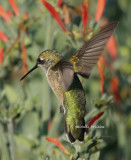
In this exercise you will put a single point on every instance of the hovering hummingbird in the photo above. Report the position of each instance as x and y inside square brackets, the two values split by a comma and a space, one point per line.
[63, 79]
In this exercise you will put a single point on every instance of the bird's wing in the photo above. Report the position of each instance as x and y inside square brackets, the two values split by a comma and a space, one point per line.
[65, 74]
[88, 55]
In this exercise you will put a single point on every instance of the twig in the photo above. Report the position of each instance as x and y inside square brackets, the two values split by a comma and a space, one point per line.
[12, 147]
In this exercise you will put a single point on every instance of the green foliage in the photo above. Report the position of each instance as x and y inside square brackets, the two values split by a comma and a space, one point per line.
[29, 110]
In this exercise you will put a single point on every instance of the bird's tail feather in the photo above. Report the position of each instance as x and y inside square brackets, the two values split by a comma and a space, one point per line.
[81, 133]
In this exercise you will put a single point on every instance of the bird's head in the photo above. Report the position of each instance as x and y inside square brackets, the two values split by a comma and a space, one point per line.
[46, 60]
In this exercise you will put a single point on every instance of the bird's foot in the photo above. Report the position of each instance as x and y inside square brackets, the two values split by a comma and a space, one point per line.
[62, 109]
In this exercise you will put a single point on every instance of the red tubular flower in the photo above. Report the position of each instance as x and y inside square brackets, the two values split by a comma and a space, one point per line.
[3, 37]
[54, 14]
[84, 16]
[108, 65]
[10, 14]
[58, 143]
[66, 13]
[112, 47]
[14, 6]
[1, 55]
[94, 119]
[49, 125]
[59, 3]
[24, 58]
[114, 84]
[100, 65]
[100, 9]
[4, 15]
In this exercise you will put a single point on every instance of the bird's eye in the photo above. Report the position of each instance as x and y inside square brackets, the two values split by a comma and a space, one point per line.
[40, 60]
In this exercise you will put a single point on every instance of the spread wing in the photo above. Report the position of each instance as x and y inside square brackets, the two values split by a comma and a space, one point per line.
[65, 74]
[88, 55]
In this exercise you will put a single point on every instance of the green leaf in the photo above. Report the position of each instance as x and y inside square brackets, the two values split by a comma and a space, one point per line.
[95, 156]
[29, 125]
[11, 94]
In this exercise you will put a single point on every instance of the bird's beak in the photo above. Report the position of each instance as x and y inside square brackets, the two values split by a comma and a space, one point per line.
[36, 66]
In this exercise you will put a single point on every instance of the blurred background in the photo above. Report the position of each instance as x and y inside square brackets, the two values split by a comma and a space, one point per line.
[29, 110]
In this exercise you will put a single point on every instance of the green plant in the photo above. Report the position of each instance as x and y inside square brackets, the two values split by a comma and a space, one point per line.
[29, 113]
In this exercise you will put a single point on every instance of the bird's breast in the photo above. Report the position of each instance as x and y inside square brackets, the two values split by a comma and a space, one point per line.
[52, 77]
[75, 97]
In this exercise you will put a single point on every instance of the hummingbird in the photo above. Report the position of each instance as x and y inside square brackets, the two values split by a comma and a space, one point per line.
[62, 76]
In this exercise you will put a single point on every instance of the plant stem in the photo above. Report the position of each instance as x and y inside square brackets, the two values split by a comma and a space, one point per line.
[11, 140]
[3, 144]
